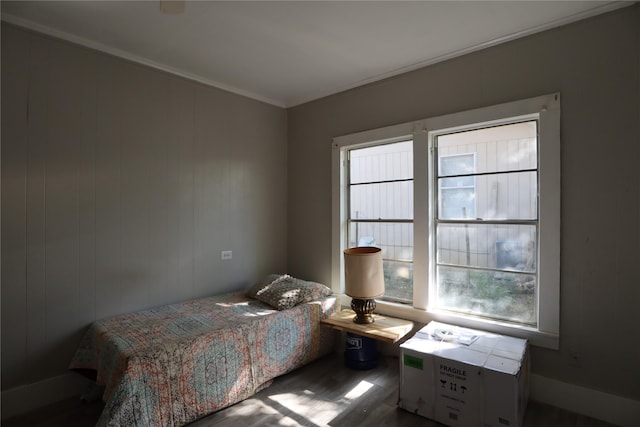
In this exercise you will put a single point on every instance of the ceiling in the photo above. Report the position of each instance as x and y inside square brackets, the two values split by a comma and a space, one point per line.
[288, 53]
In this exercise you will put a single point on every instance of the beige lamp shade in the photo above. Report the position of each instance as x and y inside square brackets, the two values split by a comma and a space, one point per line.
[363, 273]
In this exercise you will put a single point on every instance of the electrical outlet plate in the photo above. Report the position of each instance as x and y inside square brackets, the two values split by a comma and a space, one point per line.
[225, 255]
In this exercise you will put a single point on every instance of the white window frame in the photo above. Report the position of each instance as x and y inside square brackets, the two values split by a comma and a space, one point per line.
[546, 109]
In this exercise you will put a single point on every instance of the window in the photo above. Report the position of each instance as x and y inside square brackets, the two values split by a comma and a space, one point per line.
[485, 257]
[380, 197]
[466, 208]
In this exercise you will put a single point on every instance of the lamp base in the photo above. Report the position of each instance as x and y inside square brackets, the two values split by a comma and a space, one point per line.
[364, 310]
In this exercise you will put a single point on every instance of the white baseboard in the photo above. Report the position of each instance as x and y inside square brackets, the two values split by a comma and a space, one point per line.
[25, 398]
[596, 404]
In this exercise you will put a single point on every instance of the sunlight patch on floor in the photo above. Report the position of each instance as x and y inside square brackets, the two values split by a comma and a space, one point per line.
[252, 407]
[308, 406]
[359, 390]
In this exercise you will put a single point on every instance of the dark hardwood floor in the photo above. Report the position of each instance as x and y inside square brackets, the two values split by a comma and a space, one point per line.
[324, 393]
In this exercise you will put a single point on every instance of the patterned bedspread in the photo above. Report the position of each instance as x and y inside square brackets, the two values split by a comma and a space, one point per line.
[171, 365]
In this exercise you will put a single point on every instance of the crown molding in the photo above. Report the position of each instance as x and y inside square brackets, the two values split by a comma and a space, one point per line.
[33, 26]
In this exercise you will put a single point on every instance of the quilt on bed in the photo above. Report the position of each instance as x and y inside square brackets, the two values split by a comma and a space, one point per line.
[173, 364]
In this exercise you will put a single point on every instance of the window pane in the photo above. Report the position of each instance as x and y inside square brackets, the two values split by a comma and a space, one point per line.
[398, 280]
[457, 195]
[396, 242]
[387, 162]
[498, 295]
[495, 196]
[390, 200]
[395, 239]
[457, 203]
[498, 148]
[457, 164]
[496, 246]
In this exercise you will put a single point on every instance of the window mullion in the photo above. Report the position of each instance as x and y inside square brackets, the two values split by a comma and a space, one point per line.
[421, 224]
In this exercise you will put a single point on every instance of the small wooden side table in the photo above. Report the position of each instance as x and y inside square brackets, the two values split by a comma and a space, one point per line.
[385, 328]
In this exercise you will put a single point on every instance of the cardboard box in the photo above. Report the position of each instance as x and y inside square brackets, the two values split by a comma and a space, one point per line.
[463, 377]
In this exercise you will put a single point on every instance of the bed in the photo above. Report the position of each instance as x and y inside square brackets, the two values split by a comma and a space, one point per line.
[171, 365]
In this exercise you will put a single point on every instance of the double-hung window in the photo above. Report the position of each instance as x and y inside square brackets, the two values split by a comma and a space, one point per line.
[380, 198]
[466, 210]
[485, 235]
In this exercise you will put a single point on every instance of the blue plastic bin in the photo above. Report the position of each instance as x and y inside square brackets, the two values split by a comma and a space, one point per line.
[360, 353]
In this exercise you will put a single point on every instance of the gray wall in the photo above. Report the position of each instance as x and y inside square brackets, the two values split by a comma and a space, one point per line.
[595, 65]
[120, 187]
[124, 184]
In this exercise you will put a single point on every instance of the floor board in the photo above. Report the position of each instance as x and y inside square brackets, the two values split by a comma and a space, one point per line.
[324, 393]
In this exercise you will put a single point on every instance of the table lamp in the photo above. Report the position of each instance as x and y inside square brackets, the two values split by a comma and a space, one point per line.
[364, 280]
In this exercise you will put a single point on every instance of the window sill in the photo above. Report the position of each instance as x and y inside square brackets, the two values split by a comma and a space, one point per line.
[535, 337]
